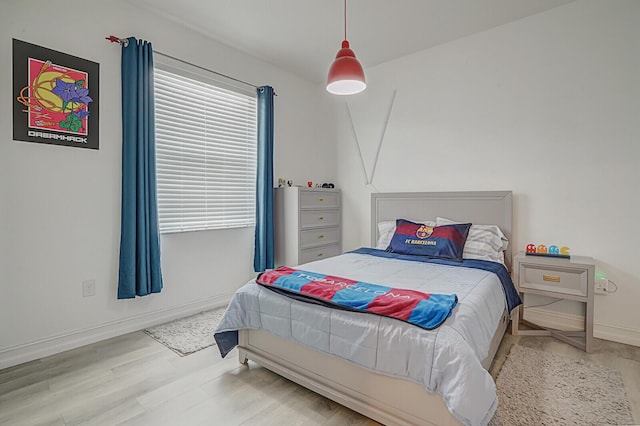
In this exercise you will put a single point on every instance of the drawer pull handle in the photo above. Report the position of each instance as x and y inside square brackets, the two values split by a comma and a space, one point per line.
[320, 237]
[321, 218]
[551, 278]
[321, 199]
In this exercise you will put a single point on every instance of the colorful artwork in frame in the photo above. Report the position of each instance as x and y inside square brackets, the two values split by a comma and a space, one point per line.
[56, 97]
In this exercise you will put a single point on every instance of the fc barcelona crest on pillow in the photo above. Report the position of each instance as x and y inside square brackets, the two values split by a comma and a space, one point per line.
[424, 231]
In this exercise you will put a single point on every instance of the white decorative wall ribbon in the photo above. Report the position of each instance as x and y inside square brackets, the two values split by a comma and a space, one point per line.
[369, 179]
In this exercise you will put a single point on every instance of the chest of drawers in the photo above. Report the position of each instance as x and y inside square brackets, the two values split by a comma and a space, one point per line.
[307, 224]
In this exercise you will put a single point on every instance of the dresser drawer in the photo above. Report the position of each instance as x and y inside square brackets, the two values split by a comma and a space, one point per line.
[320, 236]
[558, 279]
[319, 199]
[316, 218]
[309, 255]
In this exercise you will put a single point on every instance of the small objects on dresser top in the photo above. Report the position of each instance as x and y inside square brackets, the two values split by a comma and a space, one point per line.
[551, 251]
[328, 185]
[281, 182]
[310, 184]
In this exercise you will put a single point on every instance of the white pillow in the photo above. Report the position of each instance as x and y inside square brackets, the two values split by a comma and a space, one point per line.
[387, 228]
[484, 242]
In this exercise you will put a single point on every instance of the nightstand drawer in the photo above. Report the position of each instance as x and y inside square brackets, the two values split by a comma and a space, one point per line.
[309, 255]
[558, 279]
[316, 218]
[319, 199]
[317, 237]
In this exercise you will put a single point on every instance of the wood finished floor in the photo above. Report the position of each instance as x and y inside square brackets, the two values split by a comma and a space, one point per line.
[134, 380]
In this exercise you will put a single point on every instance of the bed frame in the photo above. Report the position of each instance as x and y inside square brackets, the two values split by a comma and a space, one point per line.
[385, 399]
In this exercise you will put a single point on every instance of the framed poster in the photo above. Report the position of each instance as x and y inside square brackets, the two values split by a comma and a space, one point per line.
[56, 99]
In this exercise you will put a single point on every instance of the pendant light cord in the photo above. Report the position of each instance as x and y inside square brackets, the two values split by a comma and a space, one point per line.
[345, 19]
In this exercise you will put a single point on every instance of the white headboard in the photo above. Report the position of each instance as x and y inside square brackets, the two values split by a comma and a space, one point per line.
[479, 207]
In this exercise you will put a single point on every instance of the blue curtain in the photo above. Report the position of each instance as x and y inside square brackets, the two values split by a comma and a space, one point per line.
[140, 272]
[263, 251]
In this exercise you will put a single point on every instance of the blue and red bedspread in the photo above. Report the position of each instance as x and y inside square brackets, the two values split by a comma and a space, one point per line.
[422, 309]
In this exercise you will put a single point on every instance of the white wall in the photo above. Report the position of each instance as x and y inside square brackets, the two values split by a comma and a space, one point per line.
[60, 206]
[548, 107]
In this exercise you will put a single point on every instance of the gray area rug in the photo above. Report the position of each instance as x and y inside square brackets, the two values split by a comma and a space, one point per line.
[188, 335]
[541, 388]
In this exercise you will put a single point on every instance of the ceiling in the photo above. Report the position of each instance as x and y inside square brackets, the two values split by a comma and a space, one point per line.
[303, 36]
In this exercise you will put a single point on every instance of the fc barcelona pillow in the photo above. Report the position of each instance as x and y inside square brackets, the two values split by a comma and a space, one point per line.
[444, 242]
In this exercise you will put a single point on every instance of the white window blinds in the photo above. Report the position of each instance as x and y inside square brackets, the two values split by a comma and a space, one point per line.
[205, 152]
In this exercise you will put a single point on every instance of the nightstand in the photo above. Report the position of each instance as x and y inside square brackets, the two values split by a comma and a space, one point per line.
[569, 279]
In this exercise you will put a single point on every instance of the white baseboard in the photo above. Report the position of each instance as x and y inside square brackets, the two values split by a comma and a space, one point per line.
[563, 321]
[52, 345]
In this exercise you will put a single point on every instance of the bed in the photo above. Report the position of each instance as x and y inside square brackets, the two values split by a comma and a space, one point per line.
[387, 379]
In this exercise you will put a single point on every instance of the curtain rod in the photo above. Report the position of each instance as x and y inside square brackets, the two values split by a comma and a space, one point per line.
[124, 42]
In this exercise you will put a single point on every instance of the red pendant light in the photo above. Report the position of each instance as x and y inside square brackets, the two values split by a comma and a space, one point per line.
[346, 76]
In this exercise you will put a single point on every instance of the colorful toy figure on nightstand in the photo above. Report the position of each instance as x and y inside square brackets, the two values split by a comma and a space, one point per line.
[552, 251]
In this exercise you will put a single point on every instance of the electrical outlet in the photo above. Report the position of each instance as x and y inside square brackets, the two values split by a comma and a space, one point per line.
[88, 288]
[602, 286]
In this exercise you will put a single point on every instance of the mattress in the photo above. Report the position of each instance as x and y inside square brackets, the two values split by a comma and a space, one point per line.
[446, 360]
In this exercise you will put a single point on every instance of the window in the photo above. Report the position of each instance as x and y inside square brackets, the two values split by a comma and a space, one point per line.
[205, 152]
